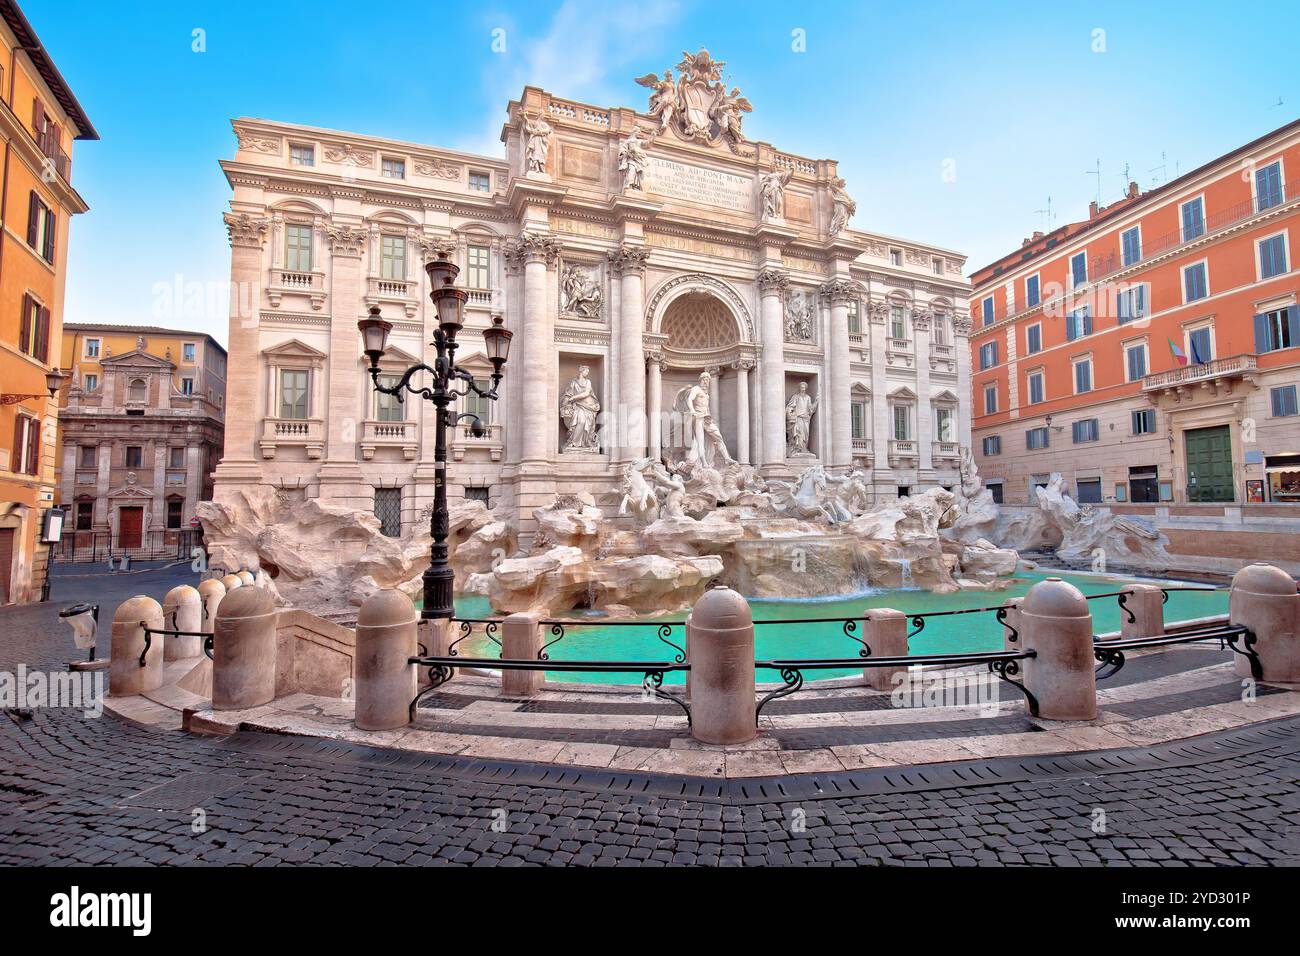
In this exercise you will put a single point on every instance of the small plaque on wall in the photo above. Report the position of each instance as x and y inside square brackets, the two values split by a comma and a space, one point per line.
[1121, 491]
[798, 208]
[579, 163]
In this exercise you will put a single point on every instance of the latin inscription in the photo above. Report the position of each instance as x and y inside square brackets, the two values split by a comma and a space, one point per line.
[698, 185]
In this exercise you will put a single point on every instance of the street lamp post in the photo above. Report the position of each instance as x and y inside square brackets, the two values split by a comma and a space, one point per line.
[450, 303]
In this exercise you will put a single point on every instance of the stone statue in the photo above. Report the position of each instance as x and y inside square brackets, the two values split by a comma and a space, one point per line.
[798, 420]
[772, 189]
[578, 410]
[663, 101]
[538, 146]
[726, 112]
[698, 107]
[580, 293]
[632, 160]
[705, 440]
[799, 317]
[843, 207]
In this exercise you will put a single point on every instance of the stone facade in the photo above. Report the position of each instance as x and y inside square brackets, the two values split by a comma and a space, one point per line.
[645, 247]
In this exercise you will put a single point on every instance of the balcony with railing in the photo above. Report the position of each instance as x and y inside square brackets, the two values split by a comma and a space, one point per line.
[902, 449]
[1214, 372]
[403, 292]
[290, 281]
[491, 441]
[945, 451]
[377, 434]
[49, 145]
[486, 299]
[306, 433]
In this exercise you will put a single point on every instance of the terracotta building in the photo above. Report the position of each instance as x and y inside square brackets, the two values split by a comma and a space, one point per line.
[141, 430]
[1150, 353]
[39, 120]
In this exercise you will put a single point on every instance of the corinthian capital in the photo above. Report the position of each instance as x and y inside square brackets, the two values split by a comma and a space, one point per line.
[878, 311]
[537, 247]
[920, 317]
[961, 324]
[840, 291]
[246, 231]
[346, 241]
[773, 282]
[630, 260]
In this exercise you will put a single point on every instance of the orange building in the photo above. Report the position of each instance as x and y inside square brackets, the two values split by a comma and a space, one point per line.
[1151, 352]
[39, 119]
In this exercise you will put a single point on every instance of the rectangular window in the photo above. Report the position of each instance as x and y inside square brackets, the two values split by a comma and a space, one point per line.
[86, 456]
[1131, 303]
[134, 456]
[1135, 361]
[896, 257]
[858, 420]
[174, 510]
[1078, 323]
[1079, 269]
[1083, 376]
[188, 351]
[476, 493]
[1279, 329]
[302, 155]
[392, 257]
[89, 383]
[855, 319]
[897, 325]
[1036, 387]
[1193, 214]
[85, 515]
[25, 456]
[1130, 241]
[1085, 431]
[187, 386]
[297, 247]
[993, 445]
[990, 399]
[902, 423]
[175, 457]
[1195, 283]
[937, 266]
[945, 425]
[477, 271]
[387, 407]
[1088, 491]
[393, 168]
[1144, 422]
[1036, 438]
[388, 509]
[1200, 344]
[996, 488]
[1034, 339]
[92, 348]
[1283, 400]
[1032, 292]
[293, 393]
[1272, 257]
[480, 182]
[988, 355]
[475, 404]
[987, 307]
[1268, 186]
[34, 329]
[1143, 483]
[940, 336]
[41, 227]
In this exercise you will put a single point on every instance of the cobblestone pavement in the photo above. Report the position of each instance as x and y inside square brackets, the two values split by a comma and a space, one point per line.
[98, 791]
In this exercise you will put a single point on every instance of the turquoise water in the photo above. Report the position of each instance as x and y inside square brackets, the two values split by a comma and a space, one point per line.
[941, 635]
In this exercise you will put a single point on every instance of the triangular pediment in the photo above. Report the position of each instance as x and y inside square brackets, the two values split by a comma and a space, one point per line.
[130, 491]
[136, 359]
[902, 391]
[294, 348]
[945, 396]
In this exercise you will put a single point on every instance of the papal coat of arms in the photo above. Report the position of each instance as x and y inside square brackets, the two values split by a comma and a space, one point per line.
[697, 106]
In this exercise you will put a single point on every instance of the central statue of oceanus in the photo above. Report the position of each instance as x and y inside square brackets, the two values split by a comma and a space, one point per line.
[705, 445]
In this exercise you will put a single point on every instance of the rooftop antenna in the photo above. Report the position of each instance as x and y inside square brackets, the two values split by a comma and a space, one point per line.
[1047, 215]
[1127, 175]
[1096, 172]
[1163, 169]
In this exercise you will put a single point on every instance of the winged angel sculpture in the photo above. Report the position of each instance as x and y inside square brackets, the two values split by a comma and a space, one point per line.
[697, 107]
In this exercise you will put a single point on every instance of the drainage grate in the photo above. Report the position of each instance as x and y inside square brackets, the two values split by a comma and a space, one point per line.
[186, 791]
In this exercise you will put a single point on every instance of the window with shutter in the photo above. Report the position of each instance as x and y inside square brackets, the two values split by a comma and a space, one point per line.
[33, 219]
[51, 229]
[42, 350]
[25, 326]
[19, 443]
[33, 446]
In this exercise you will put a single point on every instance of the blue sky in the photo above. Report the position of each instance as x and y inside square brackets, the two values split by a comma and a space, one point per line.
[1015, 102]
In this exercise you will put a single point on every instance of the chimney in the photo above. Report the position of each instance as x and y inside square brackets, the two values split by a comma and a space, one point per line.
[1133, 190]
[1093, 209]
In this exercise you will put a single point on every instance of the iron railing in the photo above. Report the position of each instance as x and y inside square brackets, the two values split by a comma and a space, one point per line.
[89, 546]
[1110, 654]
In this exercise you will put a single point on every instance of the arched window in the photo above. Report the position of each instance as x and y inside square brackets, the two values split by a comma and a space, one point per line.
[137, 391]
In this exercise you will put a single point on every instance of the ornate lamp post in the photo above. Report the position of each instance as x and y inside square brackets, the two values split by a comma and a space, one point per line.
[54, 380]
[450, 303]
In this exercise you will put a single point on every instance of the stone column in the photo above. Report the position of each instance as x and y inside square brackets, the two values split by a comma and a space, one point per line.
[1264, 599]
[158, 508]
[126, 675]
[961, 348]
[839, 292]
[654, 403]
[521, 639]
[631, 355]
[742, 368]
[243, 650]
[385, 678]
[1145, 603]
[537, 252]
[924, 413]
[882, 425]
[715, 393]
[343, 403]
[772, 284]
[68, 490]
[247, 238]
[1058, 628]
[885, 631]
[103, 472]
[193, 482]
[720, 635]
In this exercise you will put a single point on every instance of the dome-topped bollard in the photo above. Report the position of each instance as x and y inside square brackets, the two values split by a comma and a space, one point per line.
[385, 678]
[720, 634]
[132, 669]
[232, 581]
[211, 592]
[182, 611]
[1264, 599]
[243, 650]
[1057, 627]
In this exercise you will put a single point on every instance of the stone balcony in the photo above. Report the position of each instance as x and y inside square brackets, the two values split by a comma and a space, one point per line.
[1220, 374]
[486, 299]
[903, 449]
[308, 433]
[945, 451]
[403, 292]
[403, 435]
[899, 352]
[463, 439]
[286, 281]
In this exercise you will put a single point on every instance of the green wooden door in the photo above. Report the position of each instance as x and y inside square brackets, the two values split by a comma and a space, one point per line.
[1209, 464]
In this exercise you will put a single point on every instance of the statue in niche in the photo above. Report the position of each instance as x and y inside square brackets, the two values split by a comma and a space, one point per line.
[842, 205]
[538, 146]
[580, 293]
[798, 421]
[578, 411]
[706, 442]
[632, 160]
[772, 189]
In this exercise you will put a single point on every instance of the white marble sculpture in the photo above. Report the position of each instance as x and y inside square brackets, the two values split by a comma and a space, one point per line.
[632, 160]
[580, 293]
[707, 446]
[538, 145]
[579, 410]
[698, 106]
[798, 421]
[772, 192]
[842, 207]
[800, 316]
[663, 101]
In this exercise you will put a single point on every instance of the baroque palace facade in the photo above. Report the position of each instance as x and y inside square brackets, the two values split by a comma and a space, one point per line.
[628, 252]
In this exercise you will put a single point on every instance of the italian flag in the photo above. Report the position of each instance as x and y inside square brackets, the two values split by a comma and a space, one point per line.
[1179, 356]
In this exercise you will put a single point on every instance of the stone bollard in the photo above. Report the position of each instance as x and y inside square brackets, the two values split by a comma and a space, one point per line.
[261, 578]
[1147, 602]
[182, 611]
[1058, 626]
[211, 592]
[521, 639]
[721, 636]
[435, 635]
[1017, 623]
[885, 631]
[125, 675]
[385, 678]
[243, 650]
[1264, 599]
[246, 578]
[232, 581]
